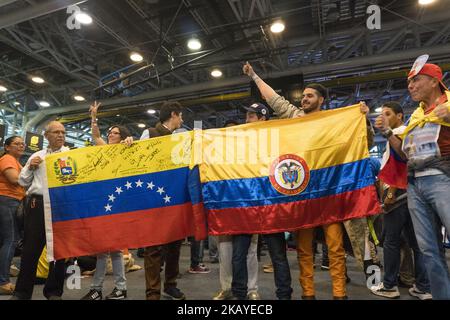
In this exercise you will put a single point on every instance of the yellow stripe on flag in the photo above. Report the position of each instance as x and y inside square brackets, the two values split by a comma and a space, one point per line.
[115, 161]
[322, 139]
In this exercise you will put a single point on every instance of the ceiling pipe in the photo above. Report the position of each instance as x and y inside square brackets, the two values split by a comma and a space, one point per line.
[400, 59]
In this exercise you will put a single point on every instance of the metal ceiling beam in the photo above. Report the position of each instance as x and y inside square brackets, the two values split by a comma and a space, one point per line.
[401, 59]
[49, 62]
[35, 11]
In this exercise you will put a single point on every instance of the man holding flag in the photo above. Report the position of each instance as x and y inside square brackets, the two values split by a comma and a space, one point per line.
[314, 96]
[32, 176]
[425, 143]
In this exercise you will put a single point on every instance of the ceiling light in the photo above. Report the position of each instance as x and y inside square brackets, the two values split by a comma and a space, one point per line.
[425, 2]
[3, 89]
[378, 110]
[44, 104]
[136, 57]
[277, 27]
[151, 111]
[79, 98]
[216, 73]
[17, 103]
[117, 115]
[37, 79]
[194, 44]
[83, 18]
[141, 125]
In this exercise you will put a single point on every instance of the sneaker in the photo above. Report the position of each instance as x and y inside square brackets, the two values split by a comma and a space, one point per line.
[116, 294]
[325, 265]
[13, 271]
[93, 295]
[419, 294]
[174, 294]
[268, 268]
[381, 291]
[254, 295]
[7, 289]
[199, 269]
[223, 295]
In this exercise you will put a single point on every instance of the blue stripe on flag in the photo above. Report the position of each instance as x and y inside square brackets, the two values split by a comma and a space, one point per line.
[147, 191]
[251, 192]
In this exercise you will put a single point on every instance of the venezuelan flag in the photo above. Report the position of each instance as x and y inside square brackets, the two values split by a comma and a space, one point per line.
[113, 197]
[282, 175]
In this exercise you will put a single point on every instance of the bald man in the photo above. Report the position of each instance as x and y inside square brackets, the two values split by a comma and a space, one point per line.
[32, 177]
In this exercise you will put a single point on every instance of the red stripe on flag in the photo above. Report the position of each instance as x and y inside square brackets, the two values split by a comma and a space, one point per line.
[119, 231]
[394, 173]
[294, 215]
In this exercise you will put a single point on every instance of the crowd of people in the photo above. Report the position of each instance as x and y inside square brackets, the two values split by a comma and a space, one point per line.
[412, 219]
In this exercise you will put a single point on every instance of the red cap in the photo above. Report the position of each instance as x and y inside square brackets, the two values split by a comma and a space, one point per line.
[431, 70]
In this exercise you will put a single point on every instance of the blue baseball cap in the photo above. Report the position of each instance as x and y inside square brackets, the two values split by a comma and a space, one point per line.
[259, 108]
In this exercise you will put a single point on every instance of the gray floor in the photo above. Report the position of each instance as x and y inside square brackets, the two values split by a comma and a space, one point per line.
[204, 286]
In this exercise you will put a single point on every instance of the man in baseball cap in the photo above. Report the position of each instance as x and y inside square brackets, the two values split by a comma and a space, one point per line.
[256, 112]
[431, 70]
[425, 144]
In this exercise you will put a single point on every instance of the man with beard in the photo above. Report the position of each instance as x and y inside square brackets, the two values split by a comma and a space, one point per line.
[314, 96]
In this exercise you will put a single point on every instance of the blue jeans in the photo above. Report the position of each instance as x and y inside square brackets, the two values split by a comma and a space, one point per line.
[197, 248]
[276, 244]
[277, 249]
[118, 269]
[394, 223]
[241, 244]
[9, 235]
[428, 202]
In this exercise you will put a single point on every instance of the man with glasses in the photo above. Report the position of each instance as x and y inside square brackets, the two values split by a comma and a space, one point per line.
[32, 177]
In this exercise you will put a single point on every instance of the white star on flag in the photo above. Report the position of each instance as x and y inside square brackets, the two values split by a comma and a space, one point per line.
[167, 198]
[160, 190]
[112, 198]
[139, 183]
[128, 185]
[108, 207]
[119, 190]
[150, 185]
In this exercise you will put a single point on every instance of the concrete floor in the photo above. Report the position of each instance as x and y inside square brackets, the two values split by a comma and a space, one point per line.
[204, 286]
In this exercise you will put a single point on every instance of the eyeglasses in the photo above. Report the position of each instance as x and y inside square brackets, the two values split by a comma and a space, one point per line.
[58, 132]
[19, 144]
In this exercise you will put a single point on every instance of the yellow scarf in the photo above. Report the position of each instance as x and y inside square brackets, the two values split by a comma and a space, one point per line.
[418, 118]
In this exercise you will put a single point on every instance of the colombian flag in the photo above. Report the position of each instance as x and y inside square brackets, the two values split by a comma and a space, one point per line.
[114, 197]
[282, 175]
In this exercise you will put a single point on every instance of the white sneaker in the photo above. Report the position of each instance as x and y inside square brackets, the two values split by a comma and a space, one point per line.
[419, 294]
[381, 291]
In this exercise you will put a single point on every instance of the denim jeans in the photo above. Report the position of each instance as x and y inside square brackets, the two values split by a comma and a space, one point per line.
[9, 235]
[241, 244]
[428, 202]
[118, 271]
[213, 247]
[225, 263]
[197, 248]
[394, 223]
[276, 244]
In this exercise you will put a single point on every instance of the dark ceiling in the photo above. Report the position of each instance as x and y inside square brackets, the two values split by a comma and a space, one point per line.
[325, 40]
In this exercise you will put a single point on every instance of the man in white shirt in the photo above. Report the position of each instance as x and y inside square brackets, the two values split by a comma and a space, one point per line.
[32, 177]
